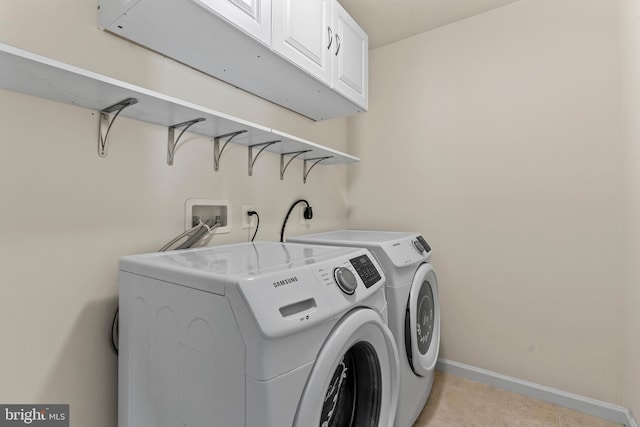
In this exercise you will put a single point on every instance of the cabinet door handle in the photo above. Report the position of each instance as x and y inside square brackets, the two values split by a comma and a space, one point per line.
[337, 44]
[330, 37]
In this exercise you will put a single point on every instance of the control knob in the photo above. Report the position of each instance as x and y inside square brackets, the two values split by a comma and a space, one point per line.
[345, 280]
[419, 247]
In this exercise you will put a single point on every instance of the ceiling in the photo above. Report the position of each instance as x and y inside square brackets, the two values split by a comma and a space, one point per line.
[387, 21]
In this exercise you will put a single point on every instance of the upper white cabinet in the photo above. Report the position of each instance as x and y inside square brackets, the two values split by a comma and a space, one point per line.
[320, 37]
[302, 34]
[308, 56]
[250, 16]
[350, 57]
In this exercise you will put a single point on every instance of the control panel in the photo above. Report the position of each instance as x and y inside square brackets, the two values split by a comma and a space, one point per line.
[286, 300]
[408, 250]
[366, 270]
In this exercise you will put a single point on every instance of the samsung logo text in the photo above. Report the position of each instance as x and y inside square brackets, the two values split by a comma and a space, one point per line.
[283, 282]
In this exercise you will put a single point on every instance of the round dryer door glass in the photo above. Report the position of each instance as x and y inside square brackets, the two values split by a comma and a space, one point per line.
[425, 313]
[422, 321]
[353, 396]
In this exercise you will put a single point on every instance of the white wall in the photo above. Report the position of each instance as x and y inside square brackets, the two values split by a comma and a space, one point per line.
[498, 137]
[630, 43]
[68, 215]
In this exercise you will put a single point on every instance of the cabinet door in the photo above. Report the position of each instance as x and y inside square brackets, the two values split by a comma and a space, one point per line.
[302, 35]
[251, 16]
[350, 52]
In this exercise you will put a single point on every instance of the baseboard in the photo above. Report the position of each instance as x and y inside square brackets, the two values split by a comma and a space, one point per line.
[604, 410]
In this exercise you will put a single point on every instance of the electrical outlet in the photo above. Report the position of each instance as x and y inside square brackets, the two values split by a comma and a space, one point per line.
[303, 220]
[246, 220]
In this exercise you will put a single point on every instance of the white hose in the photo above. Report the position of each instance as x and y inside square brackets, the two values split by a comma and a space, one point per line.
[186, 233]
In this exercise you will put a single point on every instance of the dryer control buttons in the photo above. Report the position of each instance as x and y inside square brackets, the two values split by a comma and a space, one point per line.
[418, 246]
[366, 270]
[424, 243]
[345, 280]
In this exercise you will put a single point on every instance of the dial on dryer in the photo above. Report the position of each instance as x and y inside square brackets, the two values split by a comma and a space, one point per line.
[418, 246]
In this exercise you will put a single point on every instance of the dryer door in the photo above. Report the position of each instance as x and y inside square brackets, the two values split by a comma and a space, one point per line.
[355, 379]
[422, 321]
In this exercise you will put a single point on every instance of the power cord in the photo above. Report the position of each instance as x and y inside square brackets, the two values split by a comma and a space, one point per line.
[308, 214]
[251, 213]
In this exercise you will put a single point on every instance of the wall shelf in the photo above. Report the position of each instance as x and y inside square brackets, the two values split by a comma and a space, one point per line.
[36, 75]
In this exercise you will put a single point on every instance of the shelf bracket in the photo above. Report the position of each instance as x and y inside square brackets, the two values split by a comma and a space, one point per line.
[172, 142]
[283, 166]
[104, 125]
[252, 160]
[217, 151]
[306, 171]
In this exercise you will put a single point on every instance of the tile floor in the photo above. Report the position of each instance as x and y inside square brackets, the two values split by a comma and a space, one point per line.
[458, 402]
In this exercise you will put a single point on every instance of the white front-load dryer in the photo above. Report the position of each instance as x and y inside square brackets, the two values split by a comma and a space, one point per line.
[255, 335]
[413, 307]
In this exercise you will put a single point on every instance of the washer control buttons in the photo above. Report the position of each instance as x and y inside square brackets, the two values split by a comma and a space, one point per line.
[345, 280]
[366, 270]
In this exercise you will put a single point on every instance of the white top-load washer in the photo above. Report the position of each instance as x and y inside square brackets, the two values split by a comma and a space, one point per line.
[414, 312]
[255, 334]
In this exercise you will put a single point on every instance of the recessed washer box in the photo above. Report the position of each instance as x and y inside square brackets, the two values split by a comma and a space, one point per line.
[208, 209]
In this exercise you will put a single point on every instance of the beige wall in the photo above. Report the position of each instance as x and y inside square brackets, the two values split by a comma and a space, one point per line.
[68, 215]
[630, 43]
[498, 137]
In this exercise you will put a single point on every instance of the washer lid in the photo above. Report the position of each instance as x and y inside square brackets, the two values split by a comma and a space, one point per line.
[287, 287]
[354, 236]
[422, 331]
[399, 249]
[210, 268]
